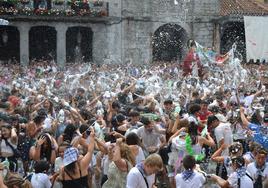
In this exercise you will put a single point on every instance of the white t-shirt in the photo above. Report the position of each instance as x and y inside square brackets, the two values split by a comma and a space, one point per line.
[140, 157]
[40, 180]
[224, 131]
[245, 181]
[249, 157]
[197, 181]
[252, 170]
[136, 180]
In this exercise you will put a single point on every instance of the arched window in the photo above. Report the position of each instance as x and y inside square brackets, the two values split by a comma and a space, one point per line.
[42, 42]
[169, 43]
[9, 43]
[79, 44]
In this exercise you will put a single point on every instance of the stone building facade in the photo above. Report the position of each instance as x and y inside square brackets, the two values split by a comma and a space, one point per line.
[129, 31]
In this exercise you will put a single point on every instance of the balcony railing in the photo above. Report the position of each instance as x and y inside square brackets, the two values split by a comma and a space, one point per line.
[54, 8]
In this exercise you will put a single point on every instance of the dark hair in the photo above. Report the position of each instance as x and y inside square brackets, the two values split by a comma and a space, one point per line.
[82, 90]
[81, 103]
[261, 150]
[168, 101]
[83, 128]
[205, 102]
[239, 161]
[115, 104]
[42, 112]
[134, 114]
[41, 166]
[86, 115]
[69, 132]
[145, 120]
[193, 132]
[124, 85]
[120, 118]
[39, 119]
[51, 107]
[255, 118]
[195, 94]
[46, 153]
[70, 167]
[7, 126]
[133, 139]
[188, 162]
[211, 119]
[194, 108]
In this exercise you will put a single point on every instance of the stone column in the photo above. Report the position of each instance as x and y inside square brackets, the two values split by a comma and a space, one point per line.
[24, 44]
[216, 37]
[61, 44]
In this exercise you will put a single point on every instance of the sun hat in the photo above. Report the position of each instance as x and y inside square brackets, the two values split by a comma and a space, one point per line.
[70, 155]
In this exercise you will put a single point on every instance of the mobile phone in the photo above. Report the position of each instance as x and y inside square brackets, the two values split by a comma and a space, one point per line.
[208, 175]
[88, 131]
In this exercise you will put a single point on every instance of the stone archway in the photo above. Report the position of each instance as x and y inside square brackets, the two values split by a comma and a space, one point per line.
[42, 42]
[233, 32]
[79, 44]
[169, 43]
[9, 43]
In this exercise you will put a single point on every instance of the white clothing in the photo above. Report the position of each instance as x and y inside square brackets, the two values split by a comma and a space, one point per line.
[140, 157]
[223, 131]
[252, 170]
[248, 100]
[105, 164]
[177, 150]
[197, 181]
[149, 138]
[249, 157]
[40, 180]
[245, 181]
[6, 148]
[136, 180]
[240, 133]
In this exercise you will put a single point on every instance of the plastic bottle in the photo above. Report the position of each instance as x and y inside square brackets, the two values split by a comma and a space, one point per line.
[6, 163]
[20, 168]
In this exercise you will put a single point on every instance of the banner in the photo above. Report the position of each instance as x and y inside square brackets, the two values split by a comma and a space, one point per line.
[256, 31]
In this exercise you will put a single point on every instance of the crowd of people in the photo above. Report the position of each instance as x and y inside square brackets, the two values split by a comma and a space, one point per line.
[132, 126]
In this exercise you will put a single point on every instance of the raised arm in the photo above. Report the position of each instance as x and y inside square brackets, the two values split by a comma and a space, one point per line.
[221, 182]
[87, 158]
[243, 117]
[217, 154]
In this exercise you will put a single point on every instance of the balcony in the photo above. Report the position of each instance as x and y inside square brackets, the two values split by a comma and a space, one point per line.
[53, 8]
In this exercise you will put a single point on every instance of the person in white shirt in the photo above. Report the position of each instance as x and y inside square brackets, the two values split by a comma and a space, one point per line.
[223, 134]
[189, 177]
[40, 179]
[143, 174]
[150, 138]
[258, 170]
[240, 178]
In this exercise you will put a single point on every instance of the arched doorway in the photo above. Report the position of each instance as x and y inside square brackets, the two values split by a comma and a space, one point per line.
[42, 43]
[169, 43]
[79, 44]
[233, 32]
[9, 43]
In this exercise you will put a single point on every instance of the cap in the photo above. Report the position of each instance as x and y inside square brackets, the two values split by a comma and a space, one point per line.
[221, 118]
[70, 155]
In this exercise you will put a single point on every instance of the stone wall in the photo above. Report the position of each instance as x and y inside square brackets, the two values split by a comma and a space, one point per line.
[126, 35]
[140, 19]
